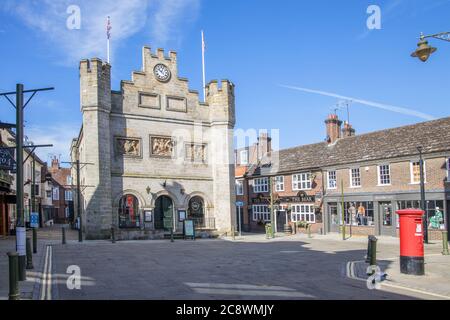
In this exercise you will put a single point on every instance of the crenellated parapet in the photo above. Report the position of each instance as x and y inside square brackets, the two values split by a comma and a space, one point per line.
[95, 84]
[221, 100]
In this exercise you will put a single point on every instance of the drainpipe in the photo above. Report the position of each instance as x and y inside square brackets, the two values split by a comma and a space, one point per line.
[324, 217]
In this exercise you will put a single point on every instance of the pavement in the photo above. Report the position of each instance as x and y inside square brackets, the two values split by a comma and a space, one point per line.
[246, 267]
[29, 287]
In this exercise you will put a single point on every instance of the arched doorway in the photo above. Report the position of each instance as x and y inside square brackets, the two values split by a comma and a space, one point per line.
[163, 213]
[196, 211]
[129, 212]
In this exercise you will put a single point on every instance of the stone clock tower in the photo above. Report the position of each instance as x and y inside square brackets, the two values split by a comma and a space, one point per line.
[159, 156]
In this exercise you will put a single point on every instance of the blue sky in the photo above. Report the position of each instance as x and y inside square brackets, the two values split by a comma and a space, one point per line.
[260, 45]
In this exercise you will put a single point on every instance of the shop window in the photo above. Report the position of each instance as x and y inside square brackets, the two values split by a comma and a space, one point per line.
[355, 213]
[128, 212]
[303, 212]
[434, 211]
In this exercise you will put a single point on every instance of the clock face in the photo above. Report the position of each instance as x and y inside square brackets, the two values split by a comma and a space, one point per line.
[162, 73]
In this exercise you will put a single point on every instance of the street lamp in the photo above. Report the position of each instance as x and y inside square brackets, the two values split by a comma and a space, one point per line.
[424, 50]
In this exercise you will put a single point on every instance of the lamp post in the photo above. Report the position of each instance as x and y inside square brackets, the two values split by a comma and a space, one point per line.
[424, 50]
[422, 196]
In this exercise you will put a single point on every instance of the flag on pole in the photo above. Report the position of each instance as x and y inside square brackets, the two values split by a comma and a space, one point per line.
[203, 66]
[203, 41]
[108, 36]
[108, 28]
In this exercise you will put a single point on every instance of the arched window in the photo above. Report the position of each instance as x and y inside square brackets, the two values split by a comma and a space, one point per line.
[129, 212]
[196, 207]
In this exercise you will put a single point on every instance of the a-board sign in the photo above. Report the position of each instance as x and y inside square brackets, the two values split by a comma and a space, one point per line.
[189, 230]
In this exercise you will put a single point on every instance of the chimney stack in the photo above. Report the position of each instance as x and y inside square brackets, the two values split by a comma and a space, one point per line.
[333, 125]
[55, 163]
[264, 144]
[347, 130]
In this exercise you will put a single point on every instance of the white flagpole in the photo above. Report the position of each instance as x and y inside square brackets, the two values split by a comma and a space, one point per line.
[108, 36]
[203, 67]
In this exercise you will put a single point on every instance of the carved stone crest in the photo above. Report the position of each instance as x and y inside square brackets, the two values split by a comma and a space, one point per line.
[161, 146]
[195, 152]
[130, 147]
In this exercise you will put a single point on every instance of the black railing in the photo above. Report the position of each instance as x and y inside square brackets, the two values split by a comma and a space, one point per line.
[204, 223]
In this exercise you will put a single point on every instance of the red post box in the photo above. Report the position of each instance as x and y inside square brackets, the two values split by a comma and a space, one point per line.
[411, 241]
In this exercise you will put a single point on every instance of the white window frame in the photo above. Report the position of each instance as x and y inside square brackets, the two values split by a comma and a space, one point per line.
[239, 187]
[241, 160]
[260, 212]
[55, 194]
[260, 185]
[66, 192]
[448, 169]
[300, 181]
[379, 174]
[412, 171]
[350, 171]
[279, 183]
[299, 212]
[69, 180]
[328, 180]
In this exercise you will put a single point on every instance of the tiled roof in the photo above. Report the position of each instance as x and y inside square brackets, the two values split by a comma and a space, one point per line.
[433, 136]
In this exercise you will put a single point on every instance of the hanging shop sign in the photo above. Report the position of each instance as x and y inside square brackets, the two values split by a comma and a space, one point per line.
[6, 159]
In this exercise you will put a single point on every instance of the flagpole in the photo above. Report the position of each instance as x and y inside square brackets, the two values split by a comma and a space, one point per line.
[203, 67]
[108, 36]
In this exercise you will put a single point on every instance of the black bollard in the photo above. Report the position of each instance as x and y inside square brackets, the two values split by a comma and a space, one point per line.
[63, 235]
[13, 258]
[113, 235]
[372, 251]
[29, 255]
[34, 240]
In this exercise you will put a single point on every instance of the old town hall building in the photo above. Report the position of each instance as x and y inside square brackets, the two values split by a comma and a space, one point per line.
[152, 154]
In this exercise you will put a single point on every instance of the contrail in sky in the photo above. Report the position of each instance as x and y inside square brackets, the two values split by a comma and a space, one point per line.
[383, 106]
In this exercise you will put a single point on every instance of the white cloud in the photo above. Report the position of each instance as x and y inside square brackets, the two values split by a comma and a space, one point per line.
[158, 19]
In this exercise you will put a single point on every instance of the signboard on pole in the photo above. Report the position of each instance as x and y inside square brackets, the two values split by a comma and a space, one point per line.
[6, 160]
[34, 220]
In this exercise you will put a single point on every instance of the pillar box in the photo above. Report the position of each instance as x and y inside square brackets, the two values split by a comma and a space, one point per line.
[411, 241]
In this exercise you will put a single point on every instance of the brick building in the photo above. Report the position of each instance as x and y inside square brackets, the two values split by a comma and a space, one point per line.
[377, 173]
[58, 205]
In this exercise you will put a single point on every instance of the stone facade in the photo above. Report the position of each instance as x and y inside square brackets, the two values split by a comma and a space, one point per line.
[153, 138]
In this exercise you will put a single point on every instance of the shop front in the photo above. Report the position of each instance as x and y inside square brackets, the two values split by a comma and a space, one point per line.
[375, 214]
